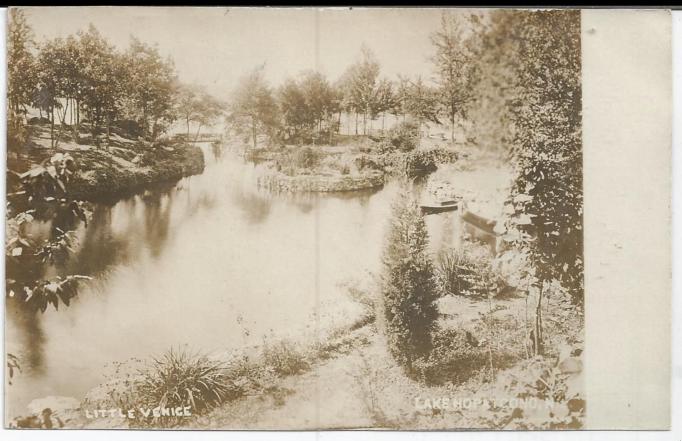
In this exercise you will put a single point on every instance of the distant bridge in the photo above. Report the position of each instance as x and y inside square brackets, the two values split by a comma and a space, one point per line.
[204, 137]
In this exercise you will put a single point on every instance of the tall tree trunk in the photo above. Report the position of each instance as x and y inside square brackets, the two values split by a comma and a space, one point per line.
[452, 129]
[253, 132]
[108, 129]
[62, 118]
[419, 133]
[196, 137]
[145, 132]
[314, 135]
[52, 126]
[331, 132]
[94, 124]
[538, 322]
[319, 130]
[76, 121]
[72, 117]
[356, 123]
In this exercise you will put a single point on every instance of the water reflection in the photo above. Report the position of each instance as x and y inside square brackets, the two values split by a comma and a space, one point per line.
[255, 208]
[157, 222]
[212, 262]
[28, 334]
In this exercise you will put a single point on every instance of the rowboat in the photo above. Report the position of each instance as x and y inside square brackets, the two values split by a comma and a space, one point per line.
[438, 206]
[486, 226]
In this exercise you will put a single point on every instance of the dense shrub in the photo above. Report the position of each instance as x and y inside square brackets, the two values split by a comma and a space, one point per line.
[442, 155]
[367, 162]
[403, 137]
[336, 163]
[419, 163]
[306, 157]
[128, 128]
[298, 160]
[455, 357]
[409, 289]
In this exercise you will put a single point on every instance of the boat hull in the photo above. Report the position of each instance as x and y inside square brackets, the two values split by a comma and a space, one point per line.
[435, 209]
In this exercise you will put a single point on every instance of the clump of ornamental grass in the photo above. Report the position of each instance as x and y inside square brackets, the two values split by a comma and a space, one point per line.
[179, 379]
[284, 358]
[464, 272]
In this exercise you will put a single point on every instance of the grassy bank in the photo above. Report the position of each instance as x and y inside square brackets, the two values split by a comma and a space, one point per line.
[210, 383]
[360, 385]
[113, 169]
[480, 374]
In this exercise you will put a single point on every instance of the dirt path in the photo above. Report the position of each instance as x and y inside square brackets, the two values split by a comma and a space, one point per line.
[330, 395]
[361, 387]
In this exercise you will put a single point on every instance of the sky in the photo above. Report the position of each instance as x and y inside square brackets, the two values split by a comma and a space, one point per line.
[215, 46]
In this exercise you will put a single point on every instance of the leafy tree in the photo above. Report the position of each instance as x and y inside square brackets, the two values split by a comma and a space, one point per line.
[365, 84]
[348, 102]
[317, 95]
[401, 97]
[74, 84]
[385, 100]
[319, 100]
[308, 106]
[360, 85]
[421, 103]
[294, 109]
[454, 65]
[21, 82]
[253, 109]
[195, 105]
[21, 72]
[544, 103]
[151, 87]
[62, 83]
[409, 288]
[104, 75]
[48, 84]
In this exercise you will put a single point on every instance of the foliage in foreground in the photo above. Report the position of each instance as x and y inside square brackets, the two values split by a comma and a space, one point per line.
[45, 195]
[409, 289]
[454, 358]
[180, 378]
[541, 96]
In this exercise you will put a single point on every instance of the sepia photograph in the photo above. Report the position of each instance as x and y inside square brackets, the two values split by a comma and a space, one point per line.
[294, 219]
